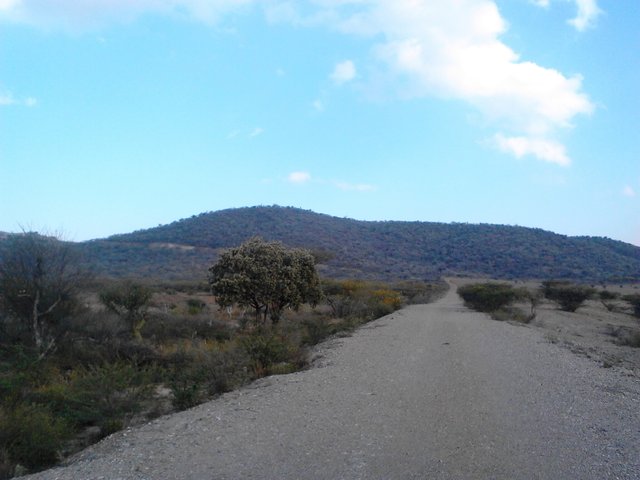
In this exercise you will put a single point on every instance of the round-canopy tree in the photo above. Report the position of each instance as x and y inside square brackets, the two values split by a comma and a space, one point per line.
[265, 276]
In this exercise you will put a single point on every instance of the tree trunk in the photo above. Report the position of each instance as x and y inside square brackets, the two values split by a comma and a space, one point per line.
[37, 337]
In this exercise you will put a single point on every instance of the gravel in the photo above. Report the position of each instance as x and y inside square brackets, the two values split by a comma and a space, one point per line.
[429, 392]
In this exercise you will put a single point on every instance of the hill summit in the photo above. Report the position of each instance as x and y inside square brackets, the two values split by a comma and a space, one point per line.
[389, 250]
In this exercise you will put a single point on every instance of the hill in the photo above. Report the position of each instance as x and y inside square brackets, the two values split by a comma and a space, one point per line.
[351, 248]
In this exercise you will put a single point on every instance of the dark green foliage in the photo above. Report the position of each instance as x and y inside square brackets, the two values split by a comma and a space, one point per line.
[265, 276]
[368, 250]
[317, 329]
[607, 295]
[266, 350]
[634, 300]
[31, 435]
[39, 280]
[489, 297]
[195, 306]
[569, 296]
[102, 395]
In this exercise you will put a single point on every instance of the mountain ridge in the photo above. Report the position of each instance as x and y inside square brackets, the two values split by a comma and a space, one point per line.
[389, 250]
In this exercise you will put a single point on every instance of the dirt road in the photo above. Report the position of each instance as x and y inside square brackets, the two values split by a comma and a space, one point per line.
[430, 392]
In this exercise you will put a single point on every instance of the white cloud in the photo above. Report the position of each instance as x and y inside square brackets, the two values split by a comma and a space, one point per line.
[358, 187]
[628, 191]
[588, 11]
[454, 50]
[299, 177]
[343, 72]
[7, 98]
[256, 131]
[88, 14]
[450, 49]
[543, 149]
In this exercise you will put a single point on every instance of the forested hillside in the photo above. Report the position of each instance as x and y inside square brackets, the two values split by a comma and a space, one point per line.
[351, 248]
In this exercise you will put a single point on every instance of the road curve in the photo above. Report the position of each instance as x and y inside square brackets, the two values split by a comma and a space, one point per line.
[429, 392]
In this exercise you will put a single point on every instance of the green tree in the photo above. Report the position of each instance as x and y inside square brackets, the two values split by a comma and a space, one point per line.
[489, 297]
[265, 276]
[130, 301]
[39, 280]
[568, 295]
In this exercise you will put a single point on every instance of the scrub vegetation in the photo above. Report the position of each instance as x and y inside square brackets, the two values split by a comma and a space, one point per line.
[81, 357]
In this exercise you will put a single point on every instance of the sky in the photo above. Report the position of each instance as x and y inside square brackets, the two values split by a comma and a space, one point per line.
[119, 115]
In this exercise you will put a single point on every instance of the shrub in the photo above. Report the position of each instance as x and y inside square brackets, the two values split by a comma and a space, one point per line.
[166, 328]
[384, 301]
[317, 329]
[130, 301]
[634, 300]
[417, 292]
[607, 295]
[266, 350]
[569, 296]
[346, 298]
[97, 395]
[32, 436]
[489, 297]
[6, 465]
[195, 306]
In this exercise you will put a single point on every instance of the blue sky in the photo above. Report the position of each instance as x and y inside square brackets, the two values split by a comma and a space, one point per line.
[117, 115]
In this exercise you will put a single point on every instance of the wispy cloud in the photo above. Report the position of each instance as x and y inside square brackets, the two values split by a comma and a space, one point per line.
[256, 131]
[343, 72]
[454, 50]
[299, 177]
[628, 191]
[543, 149]
[7, 99]
[588, 11]
[90, 14]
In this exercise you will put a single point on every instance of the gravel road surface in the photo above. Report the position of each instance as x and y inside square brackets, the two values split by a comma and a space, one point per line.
[430, 392]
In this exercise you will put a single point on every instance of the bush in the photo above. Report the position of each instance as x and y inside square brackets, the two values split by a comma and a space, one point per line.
[607, 295]
[317, 329]
[569, 296]
[634, 300]
[98, 395]
[384, 301]
[489, 297]
[195, 306]
[266, 350]
[166, 328]
[31, 436]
